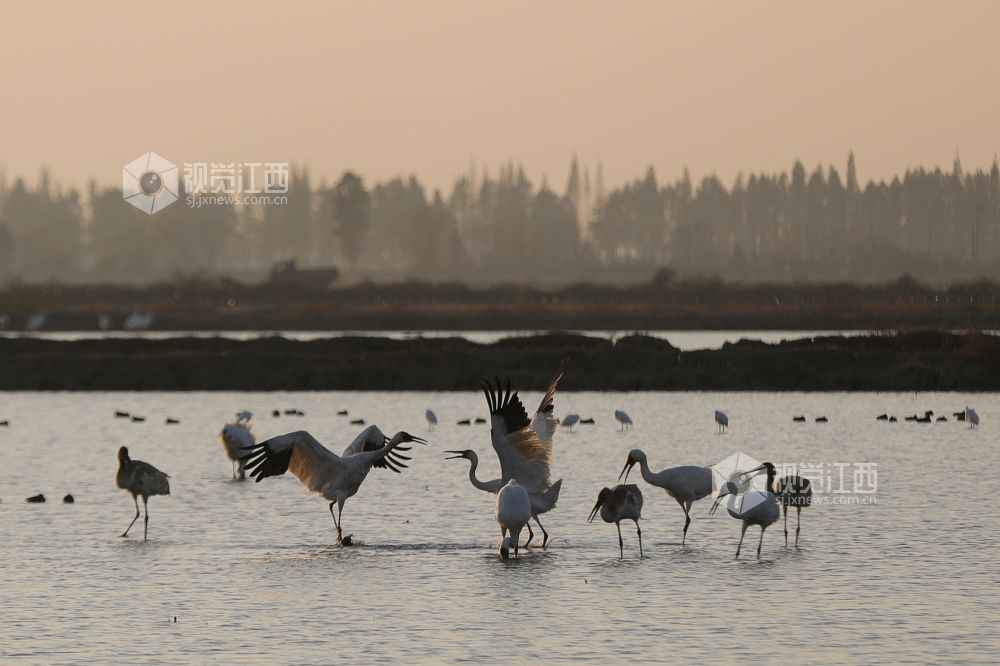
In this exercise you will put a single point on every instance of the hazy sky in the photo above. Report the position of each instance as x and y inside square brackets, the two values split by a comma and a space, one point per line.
[387, 88]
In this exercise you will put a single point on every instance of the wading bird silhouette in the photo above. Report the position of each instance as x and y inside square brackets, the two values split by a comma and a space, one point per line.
[722, 420]
[524, 447]
[686, 484]
[623, 502]
[335, 478]
[791, 490]
[623, 418]
[753, 507]
[237, 440]
[512, 511]
[140, 479]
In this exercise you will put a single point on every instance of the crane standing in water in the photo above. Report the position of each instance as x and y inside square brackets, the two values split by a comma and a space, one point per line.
[140, 478]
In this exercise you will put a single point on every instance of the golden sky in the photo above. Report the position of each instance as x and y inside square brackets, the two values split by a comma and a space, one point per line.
[394, 87]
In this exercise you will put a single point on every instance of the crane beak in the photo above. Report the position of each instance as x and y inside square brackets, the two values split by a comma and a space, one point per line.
[626, 469]
[421, 440]
[715, 505]
[458, 454]
[597, 507]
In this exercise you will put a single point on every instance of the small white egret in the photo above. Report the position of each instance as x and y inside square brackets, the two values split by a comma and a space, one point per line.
[623, 502]
[512, 511]
[570, 421]
[753, 507]
[432, 419]
[336, 478]
[971, 416]
[722, 420]
[140, 478]
[686, 484]
[623, 418]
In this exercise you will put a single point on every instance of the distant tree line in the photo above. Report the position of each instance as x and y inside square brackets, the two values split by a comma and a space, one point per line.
[796, 226]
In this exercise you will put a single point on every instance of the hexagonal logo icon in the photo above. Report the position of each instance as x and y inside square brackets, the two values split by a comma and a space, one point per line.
[733, 470]
[150, 183]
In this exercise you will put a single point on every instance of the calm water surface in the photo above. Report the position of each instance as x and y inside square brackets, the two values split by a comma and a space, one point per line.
[250, 572]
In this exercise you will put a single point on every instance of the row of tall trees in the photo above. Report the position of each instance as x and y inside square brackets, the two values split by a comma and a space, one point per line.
[800, 225]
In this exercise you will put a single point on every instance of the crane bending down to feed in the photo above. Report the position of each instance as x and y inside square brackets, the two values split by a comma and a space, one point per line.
[512, 511]
[791, 490]
[618, 504]
[755, 507]
[237, 440]
[623, 418]
[570, 421]
[336, 478]
[140, 478]
[686, 484]
[525, 447]
[722, 420]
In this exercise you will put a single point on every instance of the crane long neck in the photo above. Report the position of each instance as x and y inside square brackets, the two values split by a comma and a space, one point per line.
[647, 474]
[481, 485]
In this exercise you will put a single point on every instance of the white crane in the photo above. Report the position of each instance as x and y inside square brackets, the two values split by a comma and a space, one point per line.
[237, 440]
[512, 511]
[336, 478]
[722, 420]
[971, 416]
[686, 484]
[525, 447]
[432, 419]
[623, 502]
[570, 421]
[140, 478]
[791, 490]
[754, 507]
[623, 418]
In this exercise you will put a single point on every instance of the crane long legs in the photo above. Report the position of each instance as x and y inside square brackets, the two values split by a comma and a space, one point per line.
[687, 519]
[135, 498]
[336, 520]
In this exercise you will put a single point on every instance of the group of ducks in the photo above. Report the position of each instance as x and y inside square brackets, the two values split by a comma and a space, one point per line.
[524, 491]
[567, 422]
[968, 414]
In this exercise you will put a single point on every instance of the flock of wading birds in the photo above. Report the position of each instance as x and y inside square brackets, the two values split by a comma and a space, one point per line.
[524, 492]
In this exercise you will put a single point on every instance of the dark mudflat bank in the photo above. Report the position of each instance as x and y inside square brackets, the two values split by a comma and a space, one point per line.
[914, 361]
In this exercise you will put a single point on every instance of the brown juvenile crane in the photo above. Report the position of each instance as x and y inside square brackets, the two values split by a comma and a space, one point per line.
[140, 478]
[620, 503]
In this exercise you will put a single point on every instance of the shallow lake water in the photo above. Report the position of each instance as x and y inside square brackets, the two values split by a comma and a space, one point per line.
[251, 573]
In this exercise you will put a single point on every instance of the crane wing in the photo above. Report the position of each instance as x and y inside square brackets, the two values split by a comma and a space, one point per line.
[373, 439]
[522, 453]
[298, 452]
[544, 422]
